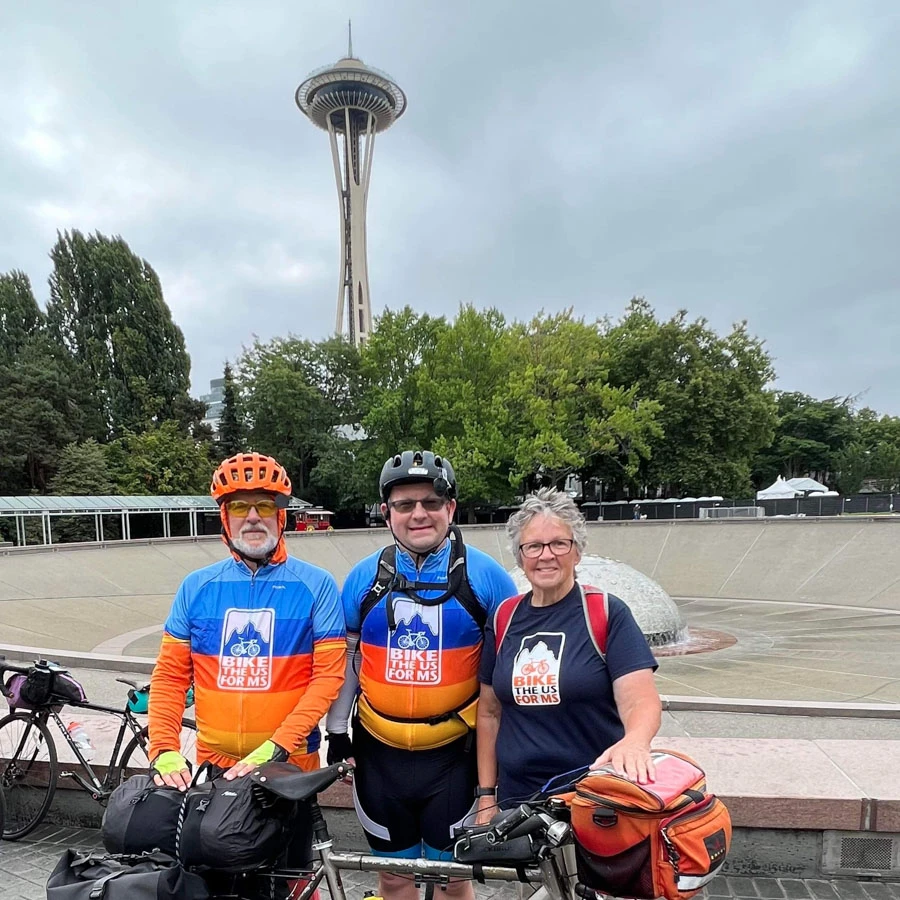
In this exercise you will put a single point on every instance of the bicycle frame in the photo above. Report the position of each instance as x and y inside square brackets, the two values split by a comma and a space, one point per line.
[554, 883]
[99, 790]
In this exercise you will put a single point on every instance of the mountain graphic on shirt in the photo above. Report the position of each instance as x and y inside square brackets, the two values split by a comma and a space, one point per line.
[540, 648]
[249, 625]
[416, 617]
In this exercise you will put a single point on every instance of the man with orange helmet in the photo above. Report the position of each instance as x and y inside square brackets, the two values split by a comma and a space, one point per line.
[260, 635]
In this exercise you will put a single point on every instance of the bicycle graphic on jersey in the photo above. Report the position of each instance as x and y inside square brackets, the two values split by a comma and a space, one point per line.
[249, 647]
[413, 640]
[536, 667]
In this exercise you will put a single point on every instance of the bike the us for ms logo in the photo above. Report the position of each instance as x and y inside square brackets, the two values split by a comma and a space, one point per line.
[245, 652]
[535, 671]
[413, 649]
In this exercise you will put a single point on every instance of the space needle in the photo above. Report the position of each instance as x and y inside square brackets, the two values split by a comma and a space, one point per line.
[352, 102]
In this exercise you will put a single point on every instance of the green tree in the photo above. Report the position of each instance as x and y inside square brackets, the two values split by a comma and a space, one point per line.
[812, 438]
[562, 414]
[21, 318]
[879, 439]
[45, 404]
[82, 471]
[231, 428]
[716, 412]
[296, 394]
[340, 481]
[160, 461]
[395, 361]
[107, 308]
[457, 383]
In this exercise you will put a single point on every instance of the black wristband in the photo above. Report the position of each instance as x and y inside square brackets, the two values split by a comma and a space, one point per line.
[486, 791]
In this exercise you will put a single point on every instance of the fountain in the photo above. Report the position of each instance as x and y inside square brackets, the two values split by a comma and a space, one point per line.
[653, 609]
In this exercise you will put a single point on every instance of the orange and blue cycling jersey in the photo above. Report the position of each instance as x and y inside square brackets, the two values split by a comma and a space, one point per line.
[427, 666]
[265, 652]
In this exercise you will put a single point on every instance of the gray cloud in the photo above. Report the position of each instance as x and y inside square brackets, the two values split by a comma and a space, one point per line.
[735, 160]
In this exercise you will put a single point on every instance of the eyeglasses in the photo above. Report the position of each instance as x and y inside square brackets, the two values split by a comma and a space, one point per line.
[240, 509]
[430, 504]
[533, 549]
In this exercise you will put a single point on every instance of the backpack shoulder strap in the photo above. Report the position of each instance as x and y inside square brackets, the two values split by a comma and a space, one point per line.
[595, 604]
[503, 616]
[385, 573]
[464, 594]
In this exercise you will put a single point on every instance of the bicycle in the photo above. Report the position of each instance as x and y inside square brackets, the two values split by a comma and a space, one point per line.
[250, 647]
[413, 640]
[543, 860]
[29, 762]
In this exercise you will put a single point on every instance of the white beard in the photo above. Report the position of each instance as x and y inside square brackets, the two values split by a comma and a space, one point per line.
[255, 551]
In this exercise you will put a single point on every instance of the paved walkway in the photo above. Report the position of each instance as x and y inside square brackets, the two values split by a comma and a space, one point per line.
[25, 866]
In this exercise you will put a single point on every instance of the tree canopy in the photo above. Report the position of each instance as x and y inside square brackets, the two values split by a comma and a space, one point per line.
[107, 309]
[94, 398]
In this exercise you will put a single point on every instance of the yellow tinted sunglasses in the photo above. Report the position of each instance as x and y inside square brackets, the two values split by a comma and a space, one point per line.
[241, 508]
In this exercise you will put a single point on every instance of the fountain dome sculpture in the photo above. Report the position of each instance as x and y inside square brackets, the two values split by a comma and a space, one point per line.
[654, 610]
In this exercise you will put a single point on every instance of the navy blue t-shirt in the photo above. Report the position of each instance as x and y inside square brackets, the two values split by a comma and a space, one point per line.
[558, 708]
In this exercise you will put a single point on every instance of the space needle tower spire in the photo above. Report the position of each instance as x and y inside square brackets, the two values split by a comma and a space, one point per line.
[352, 102]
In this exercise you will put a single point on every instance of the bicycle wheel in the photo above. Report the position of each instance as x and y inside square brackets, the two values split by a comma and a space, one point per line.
[134, 759]
[28, 773]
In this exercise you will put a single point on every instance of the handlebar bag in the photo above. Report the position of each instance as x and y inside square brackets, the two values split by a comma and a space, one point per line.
[41, 687]
[473, 847]
[141, 817]
[232, 826]
[667, 838]
[147, 877]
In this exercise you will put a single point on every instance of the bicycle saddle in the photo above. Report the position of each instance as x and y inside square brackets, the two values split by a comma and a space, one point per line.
[286, 780]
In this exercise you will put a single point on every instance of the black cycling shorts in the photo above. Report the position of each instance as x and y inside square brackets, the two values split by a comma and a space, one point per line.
[409, 798]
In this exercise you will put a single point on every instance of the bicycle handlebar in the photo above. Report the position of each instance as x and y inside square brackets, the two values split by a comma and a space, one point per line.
[511, 820]
[7, 666]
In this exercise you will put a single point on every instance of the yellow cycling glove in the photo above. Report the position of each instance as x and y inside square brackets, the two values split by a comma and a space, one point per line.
[267, 751]
[169, 762]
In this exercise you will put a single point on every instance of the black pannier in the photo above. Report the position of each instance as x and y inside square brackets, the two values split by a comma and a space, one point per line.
[233, 826]
[149, 876]
[141, 817]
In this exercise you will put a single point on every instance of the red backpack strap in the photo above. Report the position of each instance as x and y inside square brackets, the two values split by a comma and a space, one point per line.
[503, 616]
[596, 613]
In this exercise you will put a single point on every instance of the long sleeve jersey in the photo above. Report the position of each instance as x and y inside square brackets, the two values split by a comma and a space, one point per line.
[265, 653]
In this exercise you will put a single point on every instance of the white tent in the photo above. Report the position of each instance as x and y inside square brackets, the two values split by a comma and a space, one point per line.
[780, 490]
[807, 485]
[793, 487]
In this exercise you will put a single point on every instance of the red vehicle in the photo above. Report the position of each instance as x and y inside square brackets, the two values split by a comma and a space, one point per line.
[314, 520]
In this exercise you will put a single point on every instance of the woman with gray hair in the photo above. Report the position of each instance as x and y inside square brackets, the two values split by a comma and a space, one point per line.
[550, 701]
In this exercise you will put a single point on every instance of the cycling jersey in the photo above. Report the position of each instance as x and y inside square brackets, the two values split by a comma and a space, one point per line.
[266, 654]
[427, 667]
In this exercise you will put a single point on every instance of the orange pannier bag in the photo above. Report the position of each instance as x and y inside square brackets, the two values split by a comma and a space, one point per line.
[667, 838]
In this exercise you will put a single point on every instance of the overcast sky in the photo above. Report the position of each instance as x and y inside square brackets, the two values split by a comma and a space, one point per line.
[739, 160]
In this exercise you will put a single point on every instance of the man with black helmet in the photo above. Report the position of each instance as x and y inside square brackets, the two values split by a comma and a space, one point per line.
[415, 614]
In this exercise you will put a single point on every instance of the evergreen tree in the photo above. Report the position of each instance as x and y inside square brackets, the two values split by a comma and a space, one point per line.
[107, 308]
[20, 316]
[231, 429]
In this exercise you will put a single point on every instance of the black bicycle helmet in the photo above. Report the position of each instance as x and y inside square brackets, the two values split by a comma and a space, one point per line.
[416, 467]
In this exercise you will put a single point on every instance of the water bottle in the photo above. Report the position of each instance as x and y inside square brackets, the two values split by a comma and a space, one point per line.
[82, 739]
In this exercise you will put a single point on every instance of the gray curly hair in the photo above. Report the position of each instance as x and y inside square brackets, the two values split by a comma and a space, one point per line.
[546, 502]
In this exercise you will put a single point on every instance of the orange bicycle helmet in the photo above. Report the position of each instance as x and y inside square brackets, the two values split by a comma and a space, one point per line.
[251, 472]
